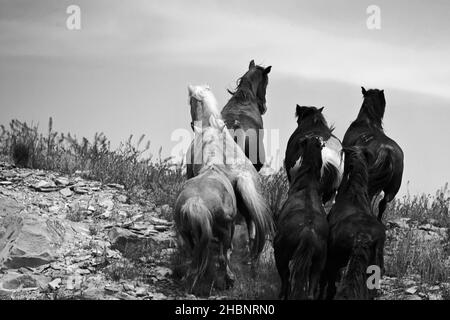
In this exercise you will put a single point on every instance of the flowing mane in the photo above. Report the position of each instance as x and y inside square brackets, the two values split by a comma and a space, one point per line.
[313, 115]
[245, 93]
[310, 169]
[355, 183]
[209, 105]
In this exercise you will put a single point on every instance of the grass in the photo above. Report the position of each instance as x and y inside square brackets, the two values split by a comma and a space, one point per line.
[275, 188]
[157, 180]
[423, 208]
[412, 255]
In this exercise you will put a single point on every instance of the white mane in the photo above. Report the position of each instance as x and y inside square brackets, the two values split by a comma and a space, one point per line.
[214, 143]
[204, 93]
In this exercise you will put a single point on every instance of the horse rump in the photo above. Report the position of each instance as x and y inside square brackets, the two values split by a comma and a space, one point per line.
[381, 171]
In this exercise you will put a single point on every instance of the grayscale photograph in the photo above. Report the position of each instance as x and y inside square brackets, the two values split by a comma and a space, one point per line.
[224, 156]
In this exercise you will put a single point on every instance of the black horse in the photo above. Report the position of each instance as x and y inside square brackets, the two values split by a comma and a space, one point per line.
[243, 113]
[356, 238]
[301, 240]
[386, 169]
[311, 122]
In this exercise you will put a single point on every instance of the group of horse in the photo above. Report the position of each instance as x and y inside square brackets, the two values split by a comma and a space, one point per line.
[326, 235]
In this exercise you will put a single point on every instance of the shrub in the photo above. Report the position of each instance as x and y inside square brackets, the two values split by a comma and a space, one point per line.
[21, 154]
[275, 187]
[423, 208]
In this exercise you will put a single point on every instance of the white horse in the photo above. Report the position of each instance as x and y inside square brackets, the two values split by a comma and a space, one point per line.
[214, 145]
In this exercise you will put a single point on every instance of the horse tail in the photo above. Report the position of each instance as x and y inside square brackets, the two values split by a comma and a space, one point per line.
[196, 214]
[353, 284]
[300, 266]
[381, 172]
[258, 211]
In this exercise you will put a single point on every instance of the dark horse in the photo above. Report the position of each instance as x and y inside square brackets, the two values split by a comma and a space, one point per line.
[356, 238]
[311, 122]
[301, 240]
[243, 113]
[386, 169]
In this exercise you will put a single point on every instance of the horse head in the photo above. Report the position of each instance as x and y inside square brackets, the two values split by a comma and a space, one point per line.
[254, 80]
[310, 115]
[203, 104]
[374, 104]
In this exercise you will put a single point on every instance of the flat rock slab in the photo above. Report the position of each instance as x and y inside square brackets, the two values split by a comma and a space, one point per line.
[9, 206]
[13, 281]
[29, 240]
[132, 244]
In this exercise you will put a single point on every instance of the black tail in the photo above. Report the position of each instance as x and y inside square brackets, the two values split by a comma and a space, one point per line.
[300, 267]
[381, 172]
[353, 283]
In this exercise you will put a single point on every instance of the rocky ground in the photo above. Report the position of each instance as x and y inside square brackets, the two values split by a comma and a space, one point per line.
[69, 238]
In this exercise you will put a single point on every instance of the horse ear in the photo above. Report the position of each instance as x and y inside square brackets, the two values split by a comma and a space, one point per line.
[364, 92]
[252, 64]
[298, 111]
[383, 100]
[267, 70]
[191, 89]
[321, 109]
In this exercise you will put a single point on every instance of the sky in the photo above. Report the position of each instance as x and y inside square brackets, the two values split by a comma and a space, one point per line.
[127, 69]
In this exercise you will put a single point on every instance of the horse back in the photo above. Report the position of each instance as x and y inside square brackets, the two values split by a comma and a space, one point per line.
[214, 188]
[343, 231]
[298, 212]
[242, 116]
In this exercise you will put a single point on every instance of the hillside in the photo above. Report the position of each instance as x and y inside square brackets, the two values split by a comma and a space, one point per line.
[65, 237]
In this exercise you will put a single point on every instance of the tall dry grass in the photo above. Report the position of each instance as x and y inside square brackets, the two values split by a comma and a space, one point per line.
[131, 164]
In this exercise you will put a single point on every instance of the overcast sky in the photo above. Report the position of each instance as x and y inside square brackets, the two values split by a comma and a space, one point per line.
[127, 70]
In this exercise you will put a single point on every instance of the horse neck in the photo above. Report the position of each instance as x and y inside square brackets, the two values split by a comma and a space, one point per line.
[206, 114]
[355, 187]
[209, 144]
[245, 92]
[306, 188]
[305, 179]
[367, 115]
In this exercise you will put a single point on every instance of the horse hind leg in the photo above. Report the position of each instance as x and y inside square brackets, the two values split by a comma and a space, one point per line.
[281, 261]
[230, 277]
[390, 191]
